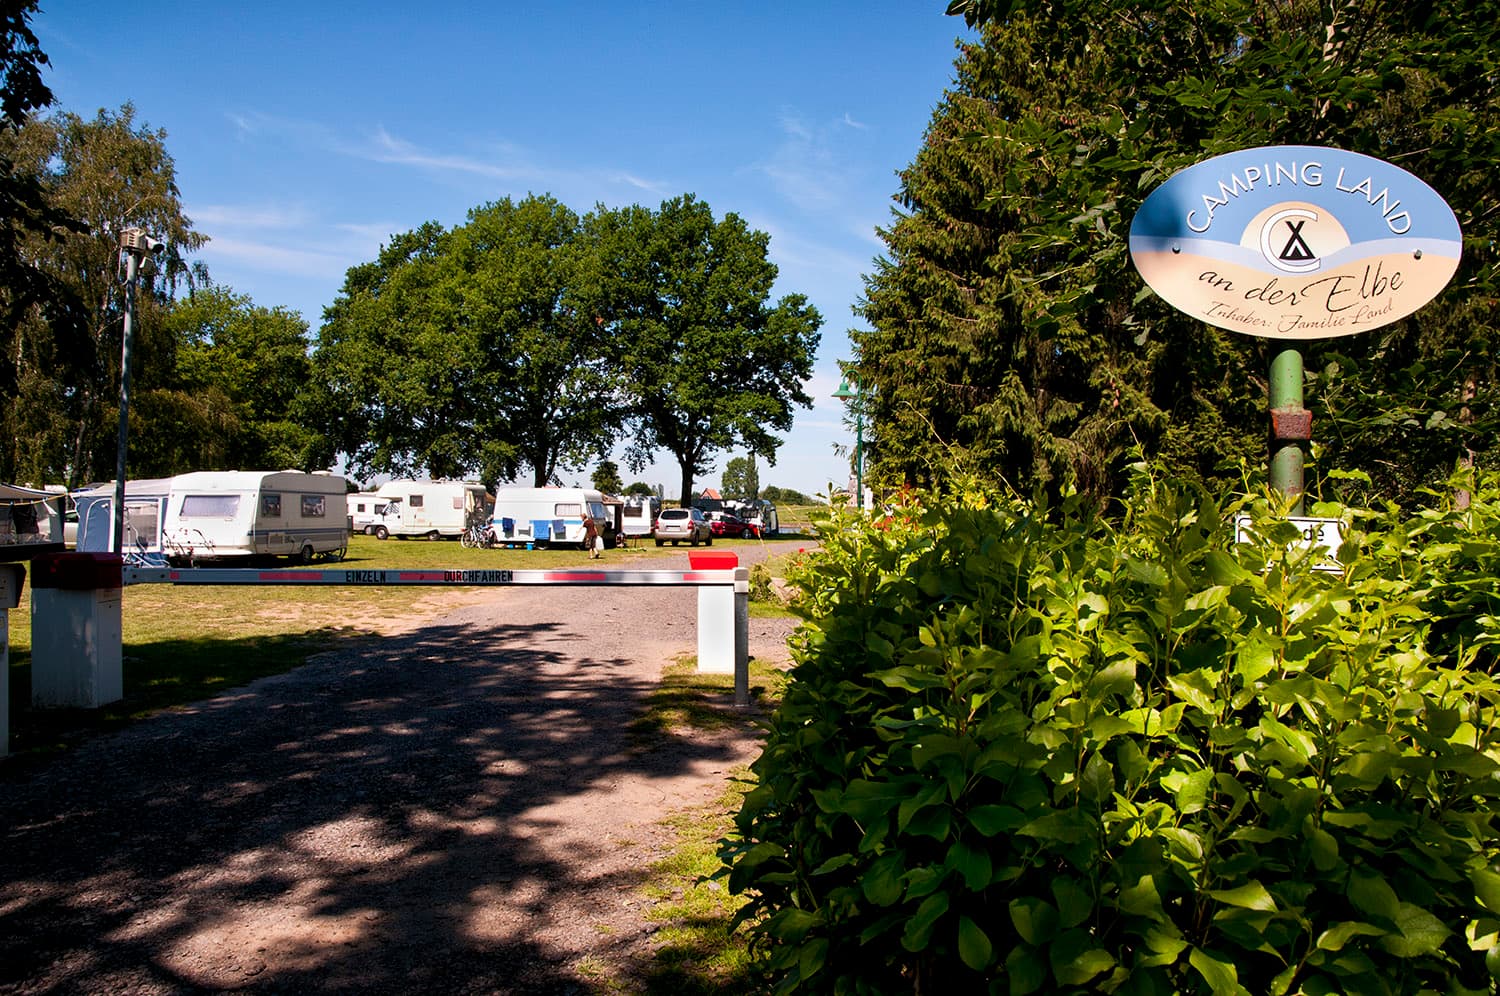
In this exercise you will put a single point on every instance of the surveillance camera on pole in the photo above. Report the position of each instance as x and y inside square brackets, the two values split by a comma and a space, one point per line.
[136, 242]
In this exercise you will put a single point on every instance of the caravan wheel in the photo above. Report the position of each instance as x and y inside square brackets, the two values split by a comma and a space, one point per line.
[382, 533]
[305, 556]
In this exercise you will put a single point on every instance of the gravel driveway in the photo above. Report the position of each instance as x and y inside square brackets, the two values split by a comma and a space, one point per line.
[458, 810]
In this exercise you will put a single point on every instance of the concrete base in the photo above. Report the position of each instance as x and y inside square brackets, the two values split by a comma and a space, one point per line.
[76, 653]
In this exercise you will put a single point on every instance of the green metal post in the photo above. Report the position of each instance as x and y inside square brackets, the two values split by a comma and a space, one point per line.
[1291, 426]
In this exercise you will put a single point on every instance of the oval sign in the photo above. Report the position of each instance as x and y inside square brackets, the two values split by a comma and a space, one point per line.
[1295, 242]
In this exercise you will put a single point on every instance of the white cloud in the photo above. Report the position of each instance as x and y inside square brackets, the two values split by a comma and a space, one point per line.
[282, 259]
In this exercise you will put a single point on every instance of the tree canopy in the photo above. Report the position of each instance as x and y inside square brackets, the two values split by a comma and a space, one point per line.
[1009, 333]
[528, 337]
[707, 362]
[61, 389]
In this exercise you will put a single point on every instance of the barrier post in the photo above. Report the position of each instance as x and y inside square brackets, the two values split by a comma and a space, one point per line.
[716, 615]
[12, 577]
[76, 651]
[742, 636]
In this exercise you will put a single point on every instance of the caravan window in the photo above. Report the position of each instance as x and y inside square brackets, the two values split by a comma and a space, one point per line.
[210, 506]
[270, 505]
[142, 521]
[312, 506]
[458, 501]
[571, 508]
[415, 501]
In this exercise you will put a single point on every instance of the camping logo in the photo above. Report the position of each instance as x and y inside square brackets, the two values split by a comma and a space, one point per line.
[1295, 242]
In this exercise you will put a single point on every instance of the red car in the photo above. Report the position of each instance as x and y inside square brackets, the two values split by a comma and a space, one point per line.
[726, 525]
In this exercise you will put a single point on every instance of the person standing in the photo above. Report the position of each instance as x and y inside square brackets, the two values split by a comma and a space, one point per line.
[591, 536]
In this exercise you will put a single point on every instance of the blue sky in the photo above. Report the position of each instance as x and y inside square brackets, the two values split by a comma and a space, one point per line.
[306, 134]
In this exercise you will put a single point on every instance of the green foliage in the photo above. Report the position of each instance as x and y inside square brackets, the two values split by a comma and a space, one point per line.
[741, 479]
[785, 496]
[1028, 750]
[472, 352]
[1011, 336]
[108, 173]
[234, 397]
[707, 362]
[607, 478]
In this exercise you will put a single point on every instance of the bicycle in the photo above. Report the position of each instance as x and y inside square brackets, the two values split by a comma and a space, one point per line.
[479, 536]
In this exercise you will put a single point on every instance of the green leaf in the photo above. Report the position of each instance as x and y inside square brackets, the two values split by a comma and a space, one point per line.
[882, 881]
[919, 927]
[1034, 919]
[1324, 848]
[995, 819]
[1335, 937]
[1371, 894]
[1421, 933]
[1143, 899]
[1222, 977]
[973, 864]
[1026, 969]
[1486, 888]
[1250, 896]
[1074, 903]
[1075, 960]
[973, 945]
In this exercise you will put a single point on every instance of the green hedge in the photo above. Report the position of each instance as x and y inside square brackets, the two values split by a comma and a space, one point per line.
[1029, 750]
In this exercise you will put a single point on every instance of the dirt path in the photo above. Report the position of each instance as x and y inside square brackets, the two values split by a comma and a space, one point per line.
[458, 809]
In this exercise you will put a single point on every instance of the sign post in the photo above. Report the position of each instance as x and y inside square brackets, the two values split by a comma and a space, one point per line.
[1295, 242]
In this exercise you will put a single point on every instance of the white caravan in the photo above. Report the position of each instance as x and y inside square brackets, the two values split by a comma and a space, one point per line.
[434, 509]
[365, 508]
[215, 514]
[639, 515]
[549, 516]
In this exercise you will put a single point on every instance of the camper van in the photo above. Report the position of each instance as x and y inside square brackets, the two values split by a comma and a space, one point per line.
[241, 513]
[214, 514]
[145, 513]
[639, 515]
[434, 509]
[549, 516]
[365, 508]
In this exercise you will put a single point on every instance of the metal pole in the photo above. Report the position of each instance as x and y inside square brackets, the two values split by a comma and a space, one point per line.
[132, 266]
[859, 453]
[1291, 427]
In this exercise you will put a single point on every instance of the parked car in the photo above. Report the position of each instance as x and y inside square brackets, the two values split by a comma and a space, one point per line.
[678, 524]
[727, 525]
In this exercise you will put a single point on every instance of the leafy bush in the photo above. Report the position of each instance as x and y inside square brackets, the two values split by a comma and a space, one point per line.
[1027, 750]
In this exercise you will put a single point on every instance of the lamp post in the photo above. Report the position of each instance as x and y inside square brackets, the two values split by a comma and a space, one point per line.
[857, 396]
[135, 247]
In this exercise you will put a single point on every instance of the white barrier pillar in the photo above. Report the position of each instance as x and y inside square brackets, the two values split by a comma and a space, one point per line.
[12, 576]
[76, 652]
[716, 615]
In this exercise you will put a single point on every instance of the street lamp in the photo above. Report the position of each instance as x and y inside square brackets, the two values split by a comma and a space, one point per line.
[857, 396]
[135, 247]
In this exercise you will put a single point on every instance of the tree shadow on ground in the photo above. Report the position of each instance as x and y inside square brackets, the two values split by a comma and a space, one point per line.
[359, 821]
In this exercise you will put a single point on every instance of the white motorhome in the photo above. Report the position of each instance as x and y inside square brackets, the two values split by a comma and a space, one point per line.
[639, 515]
[549, 516]
[434, 509]
[241, 513]
[365, 508]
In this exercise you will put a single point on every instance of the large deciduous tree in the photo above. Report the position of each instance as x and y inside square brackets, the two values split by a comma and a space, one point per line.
[475, 351]
[235, 396]
[110, 173]
[1011, 335]
[708, 362]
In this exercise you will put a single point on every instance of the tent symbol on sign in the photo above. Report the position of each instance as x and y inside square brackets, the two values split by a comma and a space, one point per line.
[1284, 246]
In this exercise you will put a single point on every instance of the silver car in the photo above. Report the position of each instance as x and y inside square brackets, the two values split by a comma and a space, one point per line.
[678, 524]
